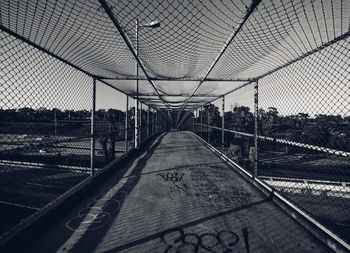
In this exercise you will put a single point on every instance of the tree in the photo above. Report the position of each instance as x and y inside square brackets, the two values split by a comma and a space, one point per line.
[214, 115]
[110, 134]
[242, 119]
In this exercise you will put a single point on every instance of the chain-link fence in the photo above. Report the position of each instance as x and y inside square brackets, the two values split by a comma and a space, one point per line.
[304, 129]
[46, 140]
[302, 137]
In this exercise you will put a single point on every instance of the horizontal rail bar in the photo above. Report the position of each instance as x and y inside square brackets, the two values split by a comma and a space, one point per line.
[304, 180]
[127, 78]
[291, 143]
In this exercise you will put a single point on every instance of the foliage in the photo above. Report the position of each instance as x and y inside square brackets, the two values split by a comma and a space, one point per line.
[331, 131]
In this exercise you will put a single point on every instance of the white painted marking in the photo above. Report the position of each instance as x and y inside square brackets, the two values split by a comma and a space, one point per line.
[18, 205]
[45, 185]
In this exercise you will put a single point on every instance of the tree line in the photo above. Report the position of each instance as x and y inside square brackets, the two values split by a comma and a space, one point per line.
[325, 130]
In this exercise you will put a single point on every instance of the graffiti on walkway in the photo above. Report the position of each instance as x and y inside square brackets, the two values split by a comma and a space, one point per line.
[176, 240]
[172, 176]
[209, 184]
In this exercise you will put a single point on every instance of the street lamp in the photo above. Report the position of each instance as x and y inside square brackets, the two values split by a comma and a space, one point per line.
[153, 24]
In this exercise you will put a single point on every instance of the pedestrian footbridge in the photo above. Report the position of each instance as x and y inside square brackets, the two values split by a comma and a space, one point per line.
[176, 195]
[174, 126]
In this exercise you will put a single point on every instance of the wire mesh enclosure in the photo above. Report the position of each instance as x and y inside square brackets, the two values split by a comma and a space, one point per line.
[264, 81]
[291, 129]
[49, 141]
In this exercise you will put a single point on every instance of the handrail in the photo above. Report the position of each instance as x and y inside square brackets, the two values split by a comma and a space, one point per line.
[292, 143]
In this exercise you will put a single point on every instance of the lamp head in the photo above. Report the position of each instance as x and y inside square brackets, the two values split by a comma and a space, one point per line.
[153, 24]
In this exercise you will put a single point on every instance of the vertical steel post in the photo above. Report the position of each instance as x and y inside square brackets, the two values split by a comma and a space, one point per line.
[140, 124]
[155, 121]
[93, 110]
[201, 115]
[152, 129]
[193, 119]
[208, 131]
[190, 124]
[147, 125]
[137, 90]
[55, 120]
[256, 116]
[223, 126]
[126, 123]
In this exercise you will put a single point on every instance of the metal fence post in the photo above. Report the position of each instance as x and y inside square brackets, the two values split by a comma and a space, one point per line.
[55, 120]
[201, 115]
[93, 110]
[126, 123]
[194, 121]
[140, 124]
[136, 122]
[147, 122]
[223, 126]
[152, 128]
[208, 134]
[191, 123]
[256, 116]
[157, 121]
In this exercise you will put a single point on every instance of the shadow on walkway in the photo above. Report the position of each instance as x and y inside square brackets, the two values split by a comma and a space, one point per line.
[179, 229]
[90, 240]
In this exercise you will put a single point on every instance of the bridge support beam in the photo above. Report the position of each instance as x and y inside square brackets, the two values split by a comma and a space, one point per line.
[92, 122]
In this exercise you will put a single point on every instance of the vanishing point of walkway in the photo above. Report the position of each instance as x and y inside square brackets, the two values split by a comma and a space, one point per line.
[177, 196]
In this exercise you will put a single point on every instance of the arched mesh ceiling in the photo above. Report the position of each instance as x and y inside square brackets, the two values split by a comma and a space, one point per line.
[202, 50]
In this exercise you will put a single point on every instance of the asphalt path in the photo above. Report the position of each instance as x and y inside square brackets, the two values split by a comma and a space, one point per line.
[177, 196]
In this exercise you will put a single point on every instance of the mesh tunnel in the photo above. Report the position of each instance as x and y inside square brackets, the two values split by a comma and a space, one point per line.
[265, 82]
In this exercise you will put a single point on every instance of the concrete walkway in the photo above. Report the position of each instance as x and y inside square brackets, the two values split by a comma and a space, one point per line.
[177, 197]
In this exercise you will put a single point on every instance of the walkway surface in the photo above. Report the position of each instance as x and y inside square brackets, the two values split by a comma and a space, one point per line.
[177, 197]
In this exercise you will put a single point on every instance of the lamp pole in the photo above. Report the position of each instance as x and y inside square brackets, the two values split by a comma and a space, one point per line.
[153, 24]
